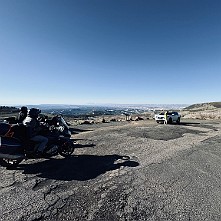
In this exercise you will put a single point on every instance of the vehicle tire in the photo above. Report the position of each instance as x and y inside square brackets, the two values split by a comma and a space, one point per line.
[9, 164]
[66, 149]
[170, 121]
[178, 120]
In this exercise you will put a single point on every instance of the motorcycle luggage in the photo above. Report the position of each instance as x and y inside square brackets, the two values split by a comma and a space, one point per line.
[11, 148]
[4, 128]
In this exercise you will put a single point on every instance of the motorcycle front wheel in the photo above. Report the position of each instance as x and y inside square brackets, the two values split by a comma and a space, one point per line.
[10, 164]
[66, 149]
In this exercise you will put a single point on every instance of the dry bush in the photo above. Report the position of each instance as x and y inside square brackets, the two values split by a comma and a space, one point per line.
[203, 115]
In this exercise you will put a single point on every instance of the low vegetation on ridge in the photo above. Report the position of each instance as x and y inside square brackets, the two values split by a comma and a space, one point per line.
[210, 110]
[204, 106]
[7, 109]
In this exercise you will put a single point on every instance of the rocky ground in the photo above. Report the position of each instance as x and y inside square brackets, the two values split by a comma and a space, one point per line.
[124, 170]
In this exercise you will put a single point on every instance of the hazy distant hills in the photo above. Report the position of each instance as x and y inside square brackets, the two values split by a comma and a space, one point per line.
[185, 107]
[108, 106]
[210, 110]
[104, 109]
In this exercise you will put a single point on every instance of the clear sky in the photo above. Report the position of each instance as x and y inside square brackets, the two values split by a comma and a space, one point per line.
[110, 51]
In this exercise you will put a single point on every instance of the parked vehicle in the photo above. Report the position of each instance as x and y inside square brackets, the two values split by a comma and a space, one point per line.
[15, 145]
[172, 116]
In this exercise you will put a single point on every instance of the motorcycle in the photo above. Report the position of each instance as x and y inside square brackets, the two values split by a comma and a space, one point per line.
[57, 121]
[16, 147]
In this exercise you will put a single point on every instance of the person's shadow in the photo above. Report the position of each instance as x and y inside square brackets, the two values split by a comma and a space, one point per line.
[82, 167]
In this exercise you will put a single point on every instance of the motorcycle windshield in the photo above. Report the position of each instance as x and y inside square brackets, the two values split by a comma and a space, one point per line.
[64, 122]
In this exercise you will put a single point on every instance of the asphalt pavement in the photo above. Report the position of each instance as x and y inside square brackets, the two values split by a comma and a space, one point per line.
[122, 171]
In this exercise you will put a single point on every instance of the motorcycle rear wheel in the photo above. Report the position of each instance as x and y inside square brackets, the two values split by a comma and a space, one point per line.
[66, 149]
[10, 164]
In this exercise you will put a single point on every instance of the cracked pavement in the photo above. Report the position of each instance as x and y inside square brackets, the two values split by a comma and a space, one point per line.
[122, 171]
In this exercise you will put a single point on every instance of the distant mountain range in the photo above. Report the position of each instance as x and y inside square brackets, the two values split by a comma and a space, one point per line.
[112, 109]
[102, 109]
[115, 106]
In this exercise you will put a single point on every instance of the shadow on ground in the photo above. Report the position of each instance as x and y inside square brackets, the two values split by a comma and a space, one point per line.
[77, 131]
[77, 145]
[83, 145]
[183, 123]
[83, 167]
[189, 123]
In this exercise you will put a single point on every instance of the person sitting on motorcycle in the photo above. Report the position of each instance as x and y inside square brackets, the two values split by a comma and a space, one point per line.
[22, 114]
[34, 128]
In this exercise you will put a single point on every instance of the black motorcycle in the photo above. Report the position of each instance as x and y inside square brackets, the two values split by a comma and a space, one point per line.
[15, 145]
[58, 122]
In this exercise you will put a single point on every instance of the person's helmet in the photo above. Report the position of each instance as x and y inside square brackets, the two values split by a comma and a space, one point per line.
[34, 112]
[24, 109]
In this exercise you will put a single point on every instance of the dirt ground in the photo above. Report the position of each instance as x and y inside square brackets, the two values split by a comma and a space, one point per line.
[135, 170]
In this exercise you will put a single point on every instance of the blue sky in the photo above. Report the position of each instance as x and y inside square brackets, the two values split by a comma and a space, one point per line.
[116, 51]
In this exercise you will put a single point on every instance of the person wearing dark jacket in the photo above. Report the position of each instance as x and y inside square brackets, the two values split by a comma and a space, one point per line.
[22, 114]
[34, 128]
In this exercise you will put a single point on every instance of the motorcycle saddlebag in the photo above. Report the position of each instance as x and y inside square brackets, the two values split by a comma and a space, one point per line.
[4, 128]
[10, 148]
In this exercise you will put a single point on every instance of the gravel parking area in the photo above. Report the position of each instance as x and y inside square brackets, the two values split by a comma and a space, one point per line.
[137, 170]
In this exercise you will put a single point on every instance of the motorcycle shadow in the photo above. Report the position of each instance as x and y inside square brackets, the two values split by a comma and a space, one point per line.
[81, 168]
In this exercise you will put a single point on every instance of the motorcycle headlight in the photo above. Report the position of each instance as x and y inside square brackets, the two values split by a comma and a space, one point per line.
[61, 128]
